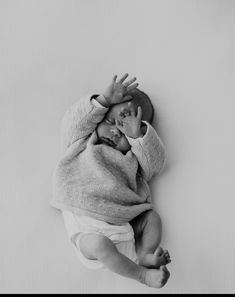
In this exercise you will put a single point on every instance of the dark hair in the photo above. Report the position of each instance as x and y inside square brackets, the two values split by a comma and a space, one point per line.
[140, 96]
[147, 97]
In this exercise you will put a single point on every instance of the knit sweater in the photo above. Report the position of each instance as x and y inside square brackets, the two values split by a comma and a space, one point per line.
[98, 180]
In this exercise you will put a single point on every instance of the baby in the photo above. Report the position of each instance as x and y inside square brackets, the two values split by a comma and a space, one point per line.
[100, 184]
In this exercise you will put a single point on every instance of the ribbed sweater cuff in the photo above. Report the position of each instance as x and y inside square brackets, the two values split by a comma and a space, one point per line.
[146, 139]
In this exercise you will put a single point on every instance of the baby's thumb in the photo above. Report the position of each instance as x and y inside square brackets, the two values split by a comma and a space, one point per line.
[118, 123]
[139, 113]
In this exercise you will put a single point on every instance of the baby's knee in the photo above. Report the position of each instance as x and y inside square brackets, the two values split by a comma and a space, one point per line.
[153, 218]
[95, 246]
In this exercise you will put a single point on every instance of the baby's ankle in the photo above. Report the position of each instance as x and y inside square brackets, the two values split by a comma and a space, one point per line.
[142, 274]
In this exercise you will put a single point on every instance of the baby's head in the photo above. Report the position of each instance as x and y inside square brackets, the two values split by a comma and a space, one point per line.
[139, 98]
[107, 131]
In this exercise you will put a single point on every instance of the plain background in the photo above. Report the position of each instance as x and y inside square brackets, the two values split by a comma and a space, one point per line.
[182, 53]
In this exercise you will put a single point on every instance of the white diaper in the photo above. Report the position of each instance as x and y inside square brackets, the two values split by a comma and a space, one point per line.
[121, 235]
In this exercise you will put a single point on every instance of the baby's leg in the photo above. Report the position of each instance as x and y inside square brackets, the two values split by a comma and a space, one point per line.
[148, 229]
[99, 247]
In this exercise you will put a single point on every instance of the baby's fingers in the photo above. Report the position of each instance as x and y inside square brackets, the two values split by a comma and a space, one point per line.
[132, 87]
[139, 113]
[119, 124]
[124, 112]
[114, 78]
[121, 80]
[129, 82]
[131, 109]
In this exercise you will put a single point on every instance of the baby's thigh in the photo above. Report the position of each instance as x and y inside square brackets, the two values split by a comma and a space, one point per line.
[148, 222]
[93, 245]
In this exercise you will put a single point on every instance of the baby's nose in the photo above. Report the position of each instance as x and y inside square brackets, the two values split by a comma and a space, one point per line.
[115, 132]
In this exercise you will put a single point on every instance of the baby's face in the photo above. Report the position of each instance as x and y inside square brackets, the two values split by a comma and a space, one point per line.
[109, 134]
[107, 131]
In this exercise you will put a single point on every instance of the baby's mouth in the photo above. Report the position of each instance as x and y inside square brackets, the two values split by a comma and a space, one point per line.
[108, 141]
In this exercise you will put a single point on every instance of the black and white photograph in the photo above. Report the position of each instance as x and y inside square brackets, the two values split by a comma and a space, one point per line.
[117, 146]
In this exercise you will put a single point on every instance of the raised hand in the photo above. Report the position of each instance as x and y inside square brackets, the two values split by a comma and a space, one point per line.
[130, 121]
[117, 90]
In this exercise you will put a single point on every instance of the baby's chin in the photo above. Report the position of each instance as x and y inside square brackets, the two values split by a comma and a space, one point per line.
[123, 150]
[123, 145]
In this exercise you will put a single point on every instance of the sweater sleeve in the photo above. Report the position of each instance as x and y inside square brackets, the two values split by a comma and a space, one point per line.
[80, 120]
[149, 151]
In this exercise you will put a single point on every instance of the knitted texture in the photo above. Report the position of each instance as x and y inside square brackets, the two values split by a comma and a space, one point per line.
[98, 180]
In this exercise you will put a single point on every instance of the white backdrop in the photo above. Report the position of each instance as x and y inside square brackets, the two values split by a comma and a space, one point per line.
[182, 52]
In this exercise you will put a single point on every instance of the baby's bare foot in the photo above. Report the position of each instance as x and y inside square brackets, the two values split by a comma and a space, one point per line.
[158, 258]
[162, 255]
[166, 255]
[157, 278]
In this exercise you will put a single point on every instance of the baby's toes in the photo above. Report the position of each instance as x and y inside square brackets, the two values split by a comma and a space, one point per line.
[166, 256]
[165, 274]
[158, 251]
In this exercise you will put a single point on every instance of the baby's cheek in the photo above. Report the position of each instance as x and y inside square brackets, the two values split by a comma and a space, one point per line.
[123, 144]
[101, 129]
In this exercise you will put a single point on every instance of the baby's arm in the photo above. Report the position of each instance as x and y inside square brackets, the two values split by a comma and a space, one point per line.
[100, 247]
[149, 151]
[117, 91]
[144, 141]
[80, 120]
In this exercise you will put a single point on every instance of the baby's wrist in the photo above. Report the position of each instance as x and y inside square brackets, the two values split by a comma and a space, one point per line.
[142, 274]
[136, 135]
[102, 99]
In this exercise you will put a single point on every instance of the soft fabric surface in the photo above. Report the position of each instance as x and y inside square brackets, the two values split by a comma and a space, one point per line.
[182, 53]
